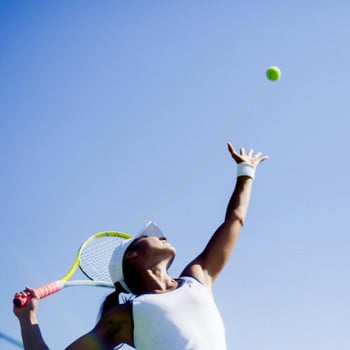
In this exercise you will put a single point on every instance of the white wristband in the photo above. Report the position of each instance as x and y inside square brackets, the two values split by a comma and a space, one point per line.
[246, 169]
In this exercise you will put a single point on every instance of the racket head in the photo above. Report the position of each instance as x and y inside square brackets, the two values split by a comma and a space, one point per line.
[95, 254]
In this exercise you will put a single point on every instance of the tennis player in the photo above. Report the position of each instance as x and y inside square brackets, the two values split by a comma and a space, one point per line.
[165, 313]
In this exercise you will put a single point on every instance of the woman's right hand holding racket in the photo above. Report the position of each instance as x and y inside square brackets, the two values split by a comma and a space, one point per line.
[30, 307]
[26, 314]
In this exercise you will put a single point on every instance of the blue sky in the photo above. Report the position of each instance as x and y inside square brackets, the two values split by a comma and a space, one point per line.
[114, 113]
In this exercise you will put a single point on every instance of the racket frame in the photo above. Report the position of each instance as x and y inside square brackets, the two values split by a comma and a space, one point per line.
[56, 286]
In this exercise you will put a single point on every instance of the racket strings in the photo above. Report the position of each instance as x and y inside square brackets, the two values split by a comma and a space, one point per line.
[96, 255]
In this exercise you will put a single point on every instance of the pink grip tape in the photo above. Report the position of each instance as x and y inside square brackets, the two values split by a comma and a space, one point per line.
[49, 289]
[42, 292]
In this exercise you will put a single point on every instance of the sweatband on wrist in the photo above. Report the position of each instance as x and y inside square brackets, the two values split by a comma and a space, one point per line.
[246, 169]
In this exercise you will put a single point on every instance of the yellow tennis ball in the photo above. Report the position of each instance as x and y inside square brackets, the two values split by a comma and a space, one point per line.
[273, 73]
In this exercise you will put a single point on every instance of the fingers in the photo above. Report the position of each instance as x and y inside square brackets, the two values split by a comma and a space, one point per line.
[32, 292]
[258, 158]
[25, 300]
[250, 152]
[230, 148]
[27, 292]
[22, 294]
[244, 153]
[244, 156]
[233, 152]
[261, 159]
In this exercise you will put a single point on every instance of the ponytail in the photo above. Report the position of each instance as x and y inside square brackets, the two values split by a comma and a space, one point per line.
[112, 299]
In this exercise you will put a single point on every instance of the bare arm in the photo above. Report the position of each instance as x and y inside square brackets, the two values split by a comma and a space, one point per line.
[30, 330]
[114, 328]
[208, 265]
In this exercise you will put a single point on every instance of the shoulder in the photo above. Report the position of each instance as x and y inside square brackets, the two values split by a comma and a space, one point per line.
[195, 270]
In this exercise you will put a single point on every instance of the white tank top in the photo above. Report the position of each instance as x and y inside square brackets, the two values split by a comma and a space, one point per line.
[183, 319]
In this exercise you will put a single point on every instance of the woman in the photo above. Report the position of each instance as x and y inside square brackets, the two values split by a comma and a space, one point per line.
[165, 313]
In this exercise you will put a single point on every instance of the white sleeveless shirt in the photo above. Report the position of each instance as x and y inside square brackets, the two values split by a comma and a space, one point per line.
[183, 319]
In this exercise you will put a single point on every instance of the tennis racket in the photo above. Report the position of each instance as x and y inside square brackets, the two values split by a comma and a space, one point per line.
[93, 258]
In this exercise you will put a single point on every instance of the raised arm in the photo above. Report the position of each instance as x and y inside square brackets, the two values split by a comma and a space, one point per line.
[207, 266]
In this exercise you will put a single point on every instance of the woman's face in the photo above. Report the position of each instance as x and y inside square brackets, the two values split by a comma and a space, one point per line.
[151, 247]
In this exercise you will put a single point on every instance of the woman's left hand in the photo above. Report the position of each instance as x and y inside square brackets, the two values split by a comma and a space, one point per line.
[247, 157]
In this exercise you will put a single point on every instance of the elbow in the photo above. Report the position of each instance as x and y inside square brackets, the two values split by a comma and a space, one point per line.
[237, 216]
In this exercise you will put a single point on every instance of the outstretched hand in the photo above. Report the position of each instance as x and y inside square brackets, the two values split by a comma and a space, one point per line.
[247, 157]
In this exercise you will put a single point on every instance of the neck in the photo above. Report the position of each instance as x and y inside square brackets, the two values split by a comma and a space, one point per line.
[157, 280]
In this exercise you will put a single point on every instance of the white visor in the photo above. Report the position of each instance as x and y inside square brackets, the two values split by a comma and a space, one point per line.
[116, 263]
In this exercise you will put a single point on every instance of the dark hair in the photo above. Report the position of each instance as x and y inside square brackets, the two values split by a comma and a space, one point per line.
[132, 277]
[112, 299]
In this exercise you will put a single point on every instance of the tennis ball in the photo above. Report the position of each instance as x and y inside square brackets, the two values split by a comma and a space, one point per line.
[273, 73]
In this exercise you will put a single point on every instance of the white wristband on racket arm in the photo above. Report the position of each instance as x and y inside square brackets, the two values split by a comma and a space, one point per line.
[246, 169]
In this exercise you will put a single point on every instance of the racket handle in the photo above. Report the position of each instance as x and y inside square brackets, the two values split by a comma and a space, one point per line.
[42, 292]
